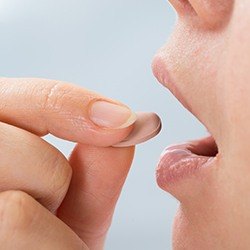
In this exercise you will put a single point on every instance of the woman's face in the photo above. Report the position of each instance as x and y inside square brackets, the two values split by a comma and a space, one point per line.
[206, 65]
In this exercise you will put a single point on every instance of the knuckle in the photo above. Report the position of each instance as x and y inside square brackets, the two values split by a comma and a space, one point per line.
[15, 212]
[60, 176]
[51, 95]
[62, 173]
[54, 96]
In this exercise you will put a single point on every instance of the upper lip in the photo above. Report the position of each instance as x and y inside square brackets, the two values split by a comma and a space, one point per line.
[160, 71]
[163, 76]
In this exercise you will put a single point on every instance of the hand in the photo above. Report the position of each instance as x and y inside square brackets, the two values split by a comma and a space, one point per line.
[74, 208]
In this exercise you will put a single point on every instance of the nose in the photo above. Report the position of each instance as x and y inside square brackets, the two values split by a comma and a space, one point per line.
[209, 14]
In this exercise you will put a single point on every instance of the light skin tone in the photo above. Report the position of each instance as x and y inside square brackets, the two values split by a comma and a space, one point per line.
[206, 65]
[46, 200]
[69, 202]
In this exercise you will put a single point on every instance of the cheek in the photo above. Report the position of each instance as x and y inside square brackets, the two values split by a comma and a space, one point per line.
[236, 85]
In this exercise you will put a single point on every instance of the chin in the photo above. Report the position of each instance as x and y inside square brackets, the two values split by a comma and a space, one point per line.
[186, 235]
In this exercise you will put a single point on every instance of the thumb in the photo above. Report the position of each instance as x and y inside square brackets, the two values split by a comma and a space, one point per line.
[98, 177]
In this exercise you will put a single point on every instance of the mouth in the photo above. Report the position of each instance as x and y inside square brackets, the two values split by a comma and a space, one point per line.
[178, 162]
[182, 161]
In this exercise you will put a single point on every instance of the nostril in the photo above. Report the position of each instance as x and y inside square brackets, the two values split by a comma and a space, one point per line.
[212, 14]
[183, 7]
[208, 14]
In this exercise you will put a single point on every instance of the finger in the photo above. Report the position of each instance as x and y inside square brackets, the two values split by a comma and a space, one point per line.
[98, 177]
[31, 164]
[25, 224]
[64, 110]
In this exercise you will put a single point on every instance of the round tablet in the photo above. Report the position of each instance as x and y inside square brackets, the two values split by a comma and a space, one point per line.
[146, 126]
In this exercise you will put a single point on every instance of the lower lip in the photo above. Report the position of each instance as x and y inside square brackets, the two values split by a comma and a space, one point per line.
[178, 162]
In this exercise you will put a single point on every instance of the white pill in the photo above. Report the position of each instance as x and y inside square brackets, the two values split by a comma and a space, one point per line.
[146, 126]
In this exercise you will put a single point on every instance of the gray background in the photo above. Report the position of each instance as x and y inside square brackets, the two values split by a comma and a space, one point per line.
[106, 46]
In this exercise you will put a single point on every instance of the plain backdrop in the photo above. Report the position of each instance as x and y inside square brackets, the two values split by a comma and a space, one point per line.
[106, 46]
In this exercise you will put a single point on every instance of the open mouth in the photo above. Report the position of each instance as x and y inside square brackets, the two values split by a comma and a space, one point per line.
[187, 159]
[184, 160]
[178, 162]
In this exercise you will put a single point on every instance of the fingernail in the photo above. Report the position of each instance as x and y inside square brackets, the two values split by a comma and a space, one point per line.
[110, 115]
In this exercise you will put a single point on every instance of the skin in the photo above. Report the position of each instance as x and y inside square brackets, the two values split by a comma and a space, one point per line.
[207, 62]
[44, 197]
[207, 58]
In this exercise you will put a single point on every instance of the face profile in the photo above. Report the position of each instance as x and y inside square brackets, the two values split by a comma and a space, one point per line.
[205, 64]
[51, 200]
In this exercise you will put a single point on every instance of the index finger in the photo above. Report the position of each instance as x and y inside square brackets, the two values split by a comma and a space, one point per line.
[65, 110]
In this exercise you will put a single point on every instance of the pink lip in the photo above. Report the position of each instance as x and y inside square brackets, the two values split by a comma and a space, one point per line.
[160, 71]
[179, 162]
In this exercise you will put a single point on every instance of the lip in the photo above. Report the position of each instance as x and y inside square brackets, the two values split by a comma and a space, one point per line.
[179, 162]
[161, 73]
